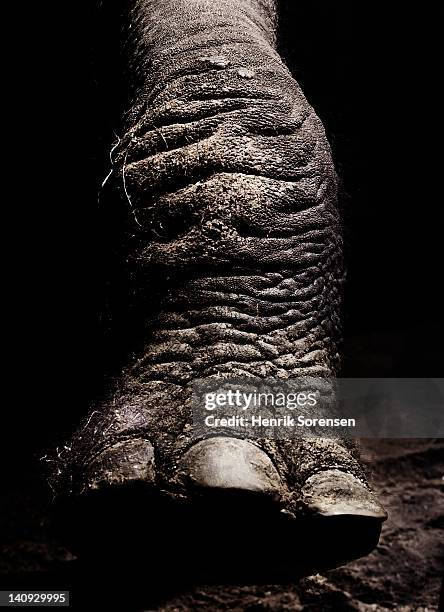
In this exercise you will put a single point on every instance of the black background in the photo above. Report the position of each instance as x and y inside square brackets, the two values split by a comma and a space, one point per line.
[371, 72]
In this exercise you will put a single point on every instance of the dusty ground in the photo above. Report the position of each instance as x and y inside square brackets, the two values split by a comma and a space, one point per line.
[404, 573]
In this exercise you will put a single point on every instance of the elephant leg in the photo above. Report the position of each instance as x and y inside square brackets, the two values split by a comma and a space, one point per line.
[233, 244]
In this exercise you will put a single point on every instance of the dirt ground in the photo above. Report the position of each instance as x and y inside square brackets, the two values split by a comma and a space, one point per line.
[404, 573]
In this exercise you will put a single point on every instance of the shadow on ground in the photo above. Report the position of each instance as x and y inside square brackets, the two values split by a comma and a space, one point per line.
[403, 573]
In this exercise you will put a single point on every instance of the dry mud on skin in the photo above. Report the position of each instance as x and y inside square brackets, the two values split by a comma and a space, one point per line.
[403, 573]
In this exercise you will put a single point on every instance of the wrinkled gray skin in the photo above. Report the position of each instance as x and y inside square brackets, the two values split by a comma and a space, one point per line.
[229, 181]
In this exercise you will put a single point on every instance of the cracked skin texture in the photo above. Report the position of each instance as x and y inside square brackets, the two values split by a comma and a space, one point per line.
[233, 243]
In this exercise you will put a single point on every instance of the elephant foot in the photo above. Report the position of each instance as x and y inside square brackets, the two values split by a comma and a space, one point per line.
[228, 503]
